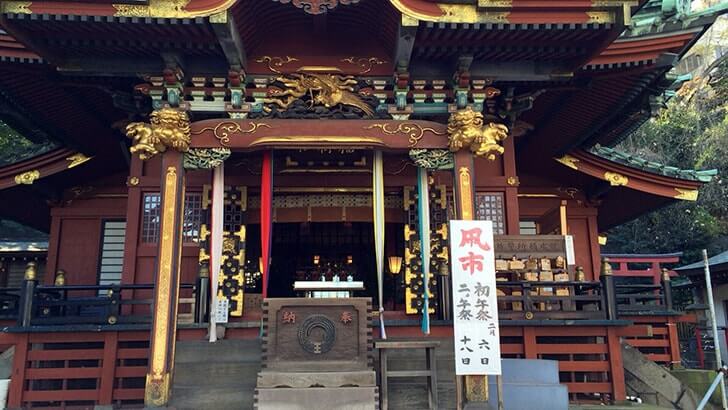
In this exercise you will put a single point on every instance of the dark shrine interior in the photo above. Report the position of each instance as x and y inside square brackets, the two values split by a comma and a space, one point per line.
[306, 251]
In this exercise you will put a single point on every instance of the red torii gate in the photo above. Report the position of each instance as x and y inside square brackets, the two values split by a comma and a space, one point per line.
[655, 260]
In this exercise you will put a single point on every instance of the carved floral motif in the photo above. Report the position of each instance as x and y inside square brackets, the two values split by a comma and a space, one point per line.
[317, 6]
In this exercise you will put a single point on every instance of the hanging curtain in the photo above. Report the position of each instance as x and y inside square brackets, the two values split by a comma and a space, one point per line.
[216, 232]
[378, 205]
[423, 208]
[266, 210]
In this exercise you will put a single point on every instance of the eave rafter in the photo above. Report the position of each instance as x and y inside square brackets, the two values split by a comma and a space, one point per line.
[616, 175]
[28, 171]
[173, 9]
[518, 11]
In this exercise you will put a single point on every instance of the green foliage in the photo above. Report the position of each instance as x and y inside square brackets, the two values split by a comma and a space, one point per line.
[691, 133]
[14, 147]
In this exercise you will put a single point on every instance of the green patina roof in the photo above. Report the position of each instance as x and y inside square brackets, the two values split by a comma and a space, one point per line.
[635, 161]
[657, 16]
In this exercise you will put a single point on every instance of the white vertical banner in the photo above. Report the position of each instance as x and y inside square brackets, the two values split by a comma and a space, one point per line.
[475, 322]
[218, 199]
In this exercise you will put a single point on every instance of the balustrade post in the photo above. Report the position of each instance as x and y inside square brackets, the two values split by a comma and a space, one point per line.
[27, 291]
[609, 291]
[112, 314]
[666, 289]
[202, 294]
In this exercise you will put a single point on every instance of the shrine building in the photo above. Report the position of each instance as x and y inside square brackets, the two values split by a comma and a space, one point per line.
[236, 194]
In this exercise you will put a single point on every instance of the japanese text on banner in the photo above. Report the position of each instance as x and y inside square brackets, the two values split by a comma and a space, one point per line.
[477, 337]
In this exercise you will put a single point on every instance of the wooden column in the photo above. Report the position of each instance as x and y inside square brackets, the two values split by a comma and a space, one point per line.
[167, 134]
[513, 213]
[616, 367]
[462, 124]
[166, 292]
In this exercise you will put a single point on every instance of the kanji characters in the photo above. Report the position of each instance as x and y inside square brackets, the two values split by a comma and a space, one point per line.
[464, 313]
[471, 237]
[289, 317]
[482, 290]
[472, 262]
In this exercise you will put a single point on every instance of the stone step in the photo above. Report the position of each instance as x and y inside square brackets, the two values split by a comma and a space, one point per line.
[414, 396]
[220, 398]
[522, 396]
[222, 351]
[215, 374]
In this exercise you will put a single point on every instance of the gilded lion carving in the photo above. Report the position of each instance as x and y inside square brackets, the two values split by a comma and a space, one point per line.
[466, 129]
[167, 128]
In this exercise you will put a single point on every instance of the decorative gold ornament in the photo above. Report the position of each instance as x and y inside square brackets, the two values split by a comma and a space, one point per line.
[466, 129]
[615, 179]
[606, 267]
[27, 178]
[325, 89]
[168, 9]
[228, 245]
[600, 17]
[454, 13]
[413, 131]
[132, 181]
[77, 159]
[687, 194]
[569, 161]
[466, 193]
[275, 63]
[512, 181]
[16, 7]
[157, 389]
[157, 383]
[495, 3]
[365, 63]
[315, 7]
[168, 128]
[223, 130]
[30, 271]
[60, 279]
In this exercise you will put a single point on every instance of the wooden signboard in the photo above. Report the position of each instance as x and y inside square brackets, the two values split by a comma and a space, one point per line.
[475, 322]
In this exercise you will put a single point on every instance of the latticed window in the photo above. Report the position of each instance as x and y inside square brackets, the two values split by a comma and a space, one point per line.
[151, 217]
[489, 207]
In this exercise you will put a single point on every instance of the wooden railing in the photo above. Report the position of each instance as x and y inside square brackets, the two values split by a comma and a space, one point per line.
[78, 369]
[632, 298]
[551, 300]
[92, 304]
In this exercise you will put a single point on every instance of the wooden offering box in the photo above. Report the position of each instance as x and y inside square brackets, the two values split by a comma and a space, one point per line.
[317, 351]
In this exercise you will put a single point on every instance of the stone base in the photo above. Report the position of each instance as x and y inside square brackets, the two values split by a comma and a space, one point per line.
[269, 379]
[339, 398]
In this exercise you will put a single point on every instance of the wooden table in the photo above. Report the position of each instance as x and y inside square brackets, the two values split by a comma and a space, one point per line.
[430, 372]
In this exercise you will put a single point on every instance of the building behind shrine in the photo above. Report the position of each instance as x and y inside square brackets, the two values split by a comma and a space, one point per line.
[278, 114]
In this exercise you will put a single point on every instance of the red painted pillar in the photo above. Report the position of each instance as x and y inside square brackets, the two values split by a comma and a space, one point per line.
[674, 342]
[699, 344]
[616, 366]
[17, 379]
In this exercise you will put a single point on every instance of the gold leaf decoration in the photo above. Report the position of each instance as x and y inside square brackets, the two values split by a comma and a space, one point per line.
[27, 178]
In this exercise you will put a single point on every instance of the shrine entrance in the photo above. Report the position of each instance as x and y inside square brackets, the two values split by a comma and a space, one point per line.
[318, 251]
